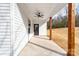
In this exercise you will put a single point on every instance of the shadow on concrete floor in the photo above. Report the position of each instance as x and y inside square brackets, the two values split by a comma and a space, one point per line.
[63, 54]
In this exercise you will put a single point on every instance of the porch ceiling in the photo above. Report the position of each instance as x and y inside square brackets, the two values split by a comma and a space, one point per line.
[45, 9]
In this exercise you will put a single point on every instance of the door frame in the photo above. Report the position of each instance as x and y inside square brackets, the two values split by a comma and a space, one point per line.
[37, 29]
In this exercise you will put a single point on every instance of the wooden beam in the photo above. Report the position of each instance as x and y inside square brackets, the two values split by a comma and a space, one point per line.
[71, 29]
[50, 27]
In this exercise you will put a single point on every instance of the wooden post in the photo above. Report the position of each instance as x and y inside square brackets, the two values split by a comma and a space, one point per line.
[71, 29]
[50, 27]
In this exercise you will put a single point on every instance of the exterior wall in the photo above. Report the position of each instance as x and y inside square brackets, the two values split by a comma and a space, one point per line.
[20, 30]
[31, 31]
[43, 29]
[5, 29]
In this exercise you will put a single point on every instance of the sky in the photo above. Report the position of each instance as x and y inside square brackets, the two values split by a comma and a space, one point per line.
[77, 8]
[63, 11]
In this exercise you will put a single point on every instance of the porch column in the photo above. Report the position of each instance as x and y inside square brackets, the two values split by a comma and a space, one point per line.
[50, 27]
[71, 29]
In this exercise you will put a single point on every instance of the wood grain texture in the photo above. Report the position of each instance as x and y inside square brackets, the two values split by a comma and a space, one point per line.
[50, 27]
[71, 29]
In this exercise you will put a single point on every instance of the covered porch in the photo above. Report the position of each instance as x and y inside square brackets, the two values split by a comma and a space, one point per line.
[33, 13]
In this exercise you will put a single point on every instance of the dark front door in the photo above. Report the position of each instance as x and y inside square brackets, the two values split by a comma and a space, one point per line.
[36, 29]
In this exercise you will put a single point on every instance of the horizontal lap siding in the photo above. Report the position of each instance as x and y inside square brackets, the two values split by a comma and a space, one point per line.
[5, 29]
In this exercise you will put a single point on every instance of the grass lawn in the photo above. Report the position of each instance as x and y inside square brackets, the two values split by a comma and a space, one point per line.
[60, 36]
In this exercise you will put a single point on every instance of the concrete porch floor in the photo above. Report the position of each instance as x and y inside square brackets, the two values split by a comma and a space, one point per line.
[42, 46]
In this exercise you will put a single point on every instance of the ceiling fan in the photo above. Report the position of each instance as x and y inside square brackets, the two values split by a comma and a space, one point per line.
[39, 14]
